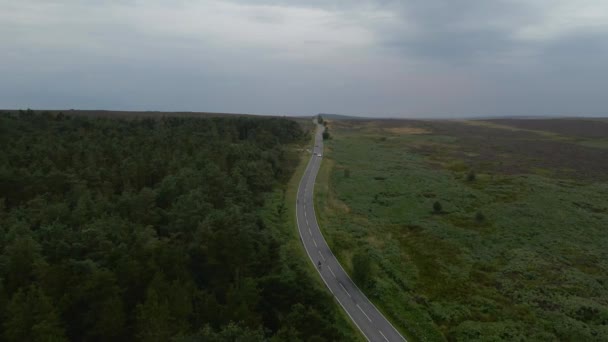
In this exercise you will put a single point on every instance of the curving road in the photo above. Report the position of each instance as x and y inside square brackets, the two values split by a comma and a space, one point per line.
[373, 325]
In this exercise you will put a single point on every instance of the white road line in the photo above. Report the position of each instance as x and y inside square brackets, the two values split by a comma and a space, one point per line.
[305, 217]
[309, 231]
[322, 257]
[332, 272]
[344, 288]
[310, 173]
[366, 316]
[315, 242]
[380, 331]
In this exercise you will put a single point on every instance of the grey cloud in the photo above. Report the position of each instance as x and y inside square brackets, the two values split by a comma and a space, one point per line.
[456, 32]
[454, 47]
[581, 49]
[467, 61]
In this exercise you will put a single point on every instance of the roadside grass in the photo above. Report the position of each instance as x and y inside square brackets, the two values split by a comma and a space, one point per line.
[511, 256]
[280, 213]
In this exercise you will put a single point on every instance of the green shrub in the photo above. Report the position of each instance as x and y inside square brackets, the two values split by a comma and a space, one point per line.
[480, 217]
[471, 176]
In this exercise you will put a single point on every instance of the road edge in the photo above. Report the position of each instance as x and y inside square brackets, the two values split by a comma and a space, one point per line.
[386, 316]
[296, 180]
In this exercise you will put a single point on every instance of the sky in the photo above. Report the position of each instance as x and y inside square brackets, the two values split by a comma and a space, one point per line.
[376, 58]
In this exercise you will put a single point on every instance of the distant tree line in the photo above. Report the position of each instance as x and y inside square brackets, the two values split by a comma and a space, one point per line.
[151, 230]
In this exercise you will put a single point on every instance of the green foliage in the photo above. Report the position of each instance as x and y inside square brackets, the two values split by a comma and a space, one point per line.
[326, 133]
[362, 269]
[471, 176]
[151, 229]
[534, 268]
[229, 333]
[437, 207]
[30, 316]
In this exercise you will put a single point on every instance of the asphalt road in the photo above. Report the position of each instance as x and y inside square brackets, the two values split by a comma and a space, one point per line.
[373, 325]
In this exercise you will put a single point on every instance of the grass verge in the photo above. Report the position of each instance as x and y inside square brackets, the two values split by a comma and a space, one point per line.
[344, 323]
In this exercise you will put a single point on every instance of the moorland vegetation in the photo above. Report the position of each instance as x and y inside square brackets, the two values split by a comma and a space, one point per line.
[473, 230]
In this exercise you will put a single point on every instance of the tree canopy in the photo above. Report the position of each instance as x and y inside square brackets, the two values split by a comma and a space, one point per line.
[151, 230]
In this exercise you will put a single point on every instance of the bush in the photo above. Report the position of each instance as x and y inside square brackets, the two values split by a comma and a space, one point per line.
[362, 269]
[480, 217]
[346, 173]
[437, 208]
[471, 176]
[325, 134]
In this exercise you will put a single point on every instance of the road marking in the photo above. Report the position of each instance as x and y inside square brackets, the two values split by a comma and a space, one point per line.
[366, 316]
[315, 242]
[305, 217]
[322, 257]
[310, 174]
[332, 272]
[345, 290]
[380, 331]
[309, 231]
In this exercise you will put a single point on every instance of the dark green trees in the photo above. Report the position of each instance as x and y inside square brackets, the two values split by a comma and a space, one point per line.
[149, 230]
[31, 316]
[325, 133]
[437, 207]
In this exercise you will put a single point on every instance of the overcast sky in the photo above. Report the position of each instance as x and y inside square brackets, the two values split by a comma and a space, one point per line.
[406, 58]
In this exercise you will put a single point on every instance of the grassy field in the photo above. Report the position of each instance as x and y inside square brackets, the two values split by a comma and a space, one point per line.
[519, 249]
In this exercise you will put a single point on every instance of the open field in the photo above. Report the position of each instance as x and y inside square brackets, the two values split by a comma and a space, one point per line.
[519, 249]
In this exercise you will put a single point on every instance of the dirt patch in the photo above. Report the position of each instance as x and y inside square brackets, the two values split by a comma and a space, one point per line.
[584, 128]
[505, 125]
[395, 126]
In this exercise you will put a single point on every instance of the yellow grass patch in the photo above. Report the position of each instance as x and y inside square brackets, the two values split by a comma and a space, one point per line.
[490, 125]
[407, 130]
[377, 241]
[338, 205]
